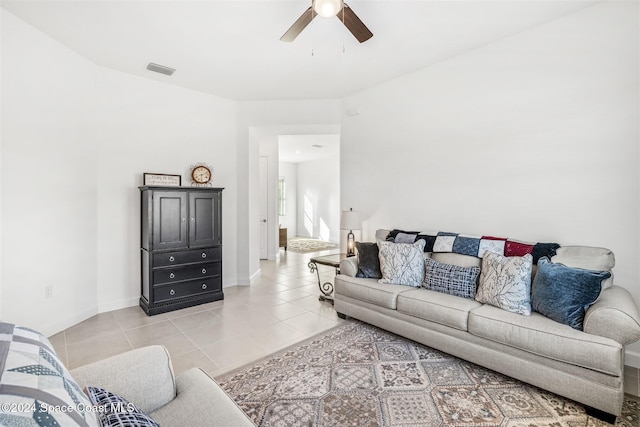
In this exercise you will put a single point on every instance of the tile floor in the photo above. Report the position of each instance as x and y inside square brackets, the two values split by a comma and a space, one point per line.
[279, 310]
[251, 322]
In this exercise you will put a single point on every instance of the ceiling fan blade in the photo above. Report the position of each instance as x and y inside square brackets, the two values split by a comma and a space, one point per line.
[297, 27]
[354, 24]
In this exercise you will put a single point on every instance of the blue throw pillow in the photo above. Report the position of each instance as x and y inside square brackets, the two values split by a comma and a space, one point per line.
[564, 293]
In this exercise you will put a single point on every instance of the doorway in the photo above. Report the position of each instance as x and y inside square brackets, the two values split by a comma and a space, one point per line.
[309, 166]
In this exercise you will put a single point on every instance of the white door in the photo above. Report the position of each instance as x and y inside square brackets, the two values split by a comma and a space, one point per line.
[264, 203]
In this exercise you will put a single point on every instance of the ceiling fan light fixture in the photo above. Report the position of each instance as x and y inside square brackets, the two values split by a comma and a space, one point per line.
[327, 8]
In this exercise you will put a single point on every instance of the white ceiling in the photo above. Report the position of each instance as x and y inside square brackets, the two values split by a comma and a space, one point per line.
[232, 48]
[305, 148]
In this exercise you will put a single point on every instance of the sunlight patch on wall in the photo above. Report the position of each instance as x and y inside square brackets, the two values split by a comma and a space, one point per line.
[308, 215]
[324, 231]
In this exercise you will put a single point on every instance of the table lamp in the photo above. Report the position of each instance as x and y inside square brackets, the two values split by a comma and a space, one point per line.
[350, 220]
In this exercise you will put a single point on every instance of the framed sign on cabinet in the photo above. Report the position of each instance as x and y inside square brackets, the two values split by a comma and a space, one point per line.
[161, 179]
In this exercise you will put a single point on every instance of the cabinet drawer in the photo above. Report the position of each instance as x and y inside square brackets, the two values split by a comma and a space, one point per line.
[186, 257]
[176, 274]
[186, 289]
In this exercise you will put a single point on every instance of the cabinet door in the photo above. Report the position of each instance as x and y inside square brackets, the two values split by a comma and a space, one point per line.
[205, 224]
[169, 220]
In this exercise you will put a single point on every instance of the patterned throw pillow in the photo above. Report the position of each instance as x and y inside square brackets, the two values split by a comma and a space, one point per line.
[35, 387]
[115, 410]
[450, 279]
[402, 263]
[505, 282]
[564, 293]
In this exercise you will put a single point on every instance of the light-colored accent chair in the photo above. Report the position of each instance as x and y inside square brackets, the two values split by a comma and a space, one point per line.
[145, 377]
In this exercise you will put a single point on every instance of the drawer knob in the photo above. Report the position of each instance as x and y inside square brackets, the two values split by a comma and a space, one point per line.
[204, 271]
[171, 259]
[204, 255]
[172, 292]
[204, 286]
[171, 276]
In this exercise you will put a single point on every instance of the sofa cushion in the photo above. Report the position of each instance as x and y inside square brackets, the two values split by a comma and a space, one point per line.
[200, 401]
[587, 257]
[564, 293]
[457, 259]
[369, 290]
[436, 307]
[382, 234]
[405, 238]
[450, 279]
[540, 335]
[401, 263]
[505, 282]
[368, 261]
[34, 378]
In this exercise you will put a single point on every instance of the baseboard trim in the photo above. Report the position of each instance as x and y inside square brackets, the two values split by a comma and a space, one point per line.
[53, 328]
[631, 358]
[118, 304]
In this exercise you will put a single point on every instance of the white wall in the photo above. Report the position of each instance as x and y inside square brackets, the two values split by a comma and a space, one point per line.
[533, 137]
[149, 126]
[76, 139]
[318, 199]
[289, 171]
[49, 164]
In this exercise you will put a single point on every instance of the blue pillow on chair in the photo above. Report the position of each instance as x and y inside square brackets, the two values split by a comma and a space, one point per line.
[565, 293]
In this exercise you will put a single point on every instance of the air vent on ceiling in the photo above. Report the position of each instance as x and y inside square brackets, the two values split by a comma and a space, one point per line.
[316, 146]
[160, 69]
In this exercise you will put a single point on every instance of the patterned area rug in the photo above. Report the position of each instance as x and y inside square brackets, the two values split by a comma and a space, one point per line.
[302, 246]
[359, 375]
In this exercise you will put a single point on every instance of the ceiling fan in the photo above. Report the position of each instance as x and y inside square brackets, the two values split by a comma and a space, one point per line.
[329, 9]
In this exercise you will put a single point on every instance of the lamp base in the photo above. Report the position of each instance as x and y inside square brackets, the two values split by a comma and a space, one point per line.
[351, 244]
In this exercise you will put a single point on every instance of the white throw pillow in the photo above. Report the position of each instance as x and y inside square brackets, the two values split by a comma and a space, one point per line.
[505, 282]
[402, 263]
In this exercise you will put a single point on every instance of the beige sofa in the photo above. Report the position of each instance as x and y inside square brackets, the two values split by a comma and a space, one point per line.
[585, 366]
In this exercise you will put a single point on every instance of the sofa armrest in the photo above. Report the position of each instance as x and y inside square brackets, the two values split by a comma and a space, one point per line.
[349, 266]
[143, 376]
[200, 401]
[614, 315]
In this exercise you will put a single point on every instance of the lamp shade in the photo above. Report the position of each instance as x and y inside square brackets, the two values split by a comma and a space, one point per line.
[327, 8]
[350, 220]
